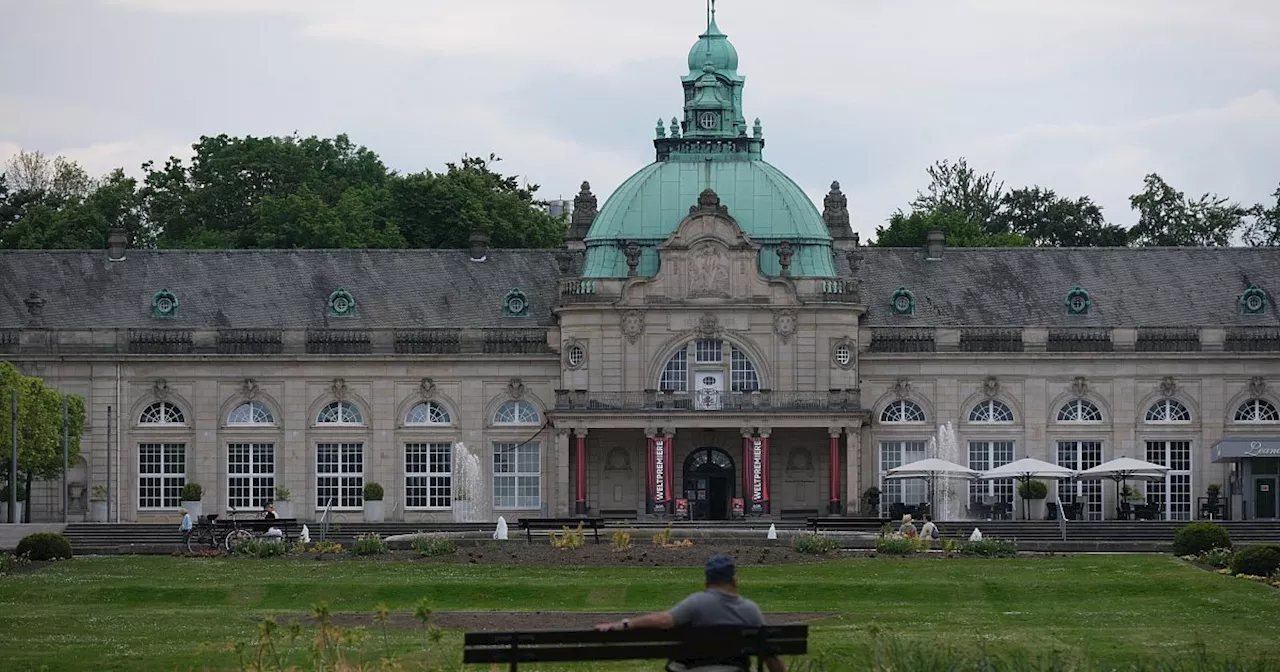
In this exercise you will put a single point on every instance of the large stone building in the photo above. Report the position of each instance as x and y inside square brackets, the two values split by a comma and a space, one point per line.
[707, 335]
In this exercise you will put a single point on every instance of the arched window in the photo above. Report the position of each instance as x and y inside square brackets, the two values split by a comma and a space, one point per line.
[516, 412]
[1168, 410]
[1079, 410]
[428, 413]
[708, 356]
[251, 413]
[1257, 410]
[339, 413]
[991, 410]
[162, 413]
[902, 411]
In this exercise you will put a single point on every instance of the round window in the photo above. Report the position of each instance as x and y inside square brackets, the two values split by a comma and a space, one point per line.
[515, 304]
[577, 355]
[341, 304]
[1077, 304]
[1254, 302]
[844, 355]
[709, 381]
[902, 303]
[165, 304]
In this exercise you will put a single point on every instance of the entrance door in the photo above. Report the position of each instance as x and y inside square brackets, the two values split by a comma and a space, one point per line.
[710, 390]
[708, 484]
[1264, 496]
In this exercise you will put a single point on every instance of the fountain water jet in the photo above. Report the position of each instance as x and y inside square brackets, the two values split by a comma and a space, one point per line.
[950, 493]
[470, 503]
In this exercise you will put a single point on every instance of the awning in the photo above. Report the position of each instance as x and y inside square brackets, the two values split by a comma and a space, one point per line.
[1234, 448]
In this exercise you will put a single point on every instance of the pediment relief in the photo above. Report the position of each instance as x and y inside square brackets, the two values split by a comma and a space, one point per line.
[709, 260]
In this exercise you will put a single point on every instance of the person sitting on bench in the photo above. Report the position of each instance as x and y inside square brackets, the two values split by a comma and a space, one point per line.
[269, 513]
[719, 604]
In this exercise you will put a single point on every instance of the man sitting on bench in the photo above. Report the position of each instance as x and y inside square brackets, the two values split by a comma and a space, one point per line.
[719, 604]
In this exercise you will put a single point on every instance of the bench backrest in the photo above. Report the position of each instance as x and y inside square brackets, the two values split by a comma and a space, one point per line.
[641, 644]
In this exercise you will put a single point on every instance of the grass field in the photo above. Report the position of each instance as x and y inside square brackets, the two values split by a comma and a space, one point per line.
[161, 613]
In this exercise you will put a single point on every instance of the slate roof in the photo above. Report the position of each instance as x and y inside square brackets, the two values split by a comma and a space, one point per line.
[278, 289]
[1129, 287]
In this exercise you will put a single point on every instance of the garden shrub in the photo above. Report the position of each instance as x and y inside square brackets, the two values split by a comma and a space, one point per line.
[815, 544]
[259, 547]
[1200, 537]
[44, 546]
[569, 539]
[1033, 490]
[433, 546]
[896, 545]
[10, 562]
[373, 492]
[989, 548]
[621, 540]
[192, 492]
[1261, 560]
[325, 546]
[369, 544]
[1218, 558]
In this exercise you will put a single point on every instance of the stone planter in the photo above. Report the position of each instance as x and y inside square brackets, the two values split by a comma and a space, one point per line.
[196, 509]
[98, 512]
[373, 511]
[284, 509]
[4, 512]
[1035, 509]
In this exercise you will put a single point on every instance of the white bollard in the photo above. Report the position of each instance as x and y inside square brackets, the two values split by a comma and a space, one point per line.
[501, 531]
[773, 531]
[976, 536]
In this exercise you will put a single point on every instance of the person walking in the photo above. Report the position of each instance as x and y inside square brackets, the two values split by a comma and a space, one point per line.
[718, 604]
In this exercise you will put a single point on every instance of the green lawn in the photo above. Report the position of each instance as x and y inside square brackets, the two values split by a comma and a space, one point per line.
[172, 613]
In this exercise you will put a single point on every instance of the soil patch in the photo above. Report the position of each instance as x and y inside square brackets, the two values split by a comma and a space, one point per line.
[508, 620]
[523, 554]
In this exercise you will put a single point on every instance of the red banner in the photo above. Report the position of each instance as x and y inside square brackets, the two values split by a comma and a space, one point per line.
[660, 473]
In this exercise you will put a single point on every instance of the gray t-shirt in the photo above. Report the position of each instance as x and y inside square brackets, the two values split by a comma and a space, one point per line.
[713, 607]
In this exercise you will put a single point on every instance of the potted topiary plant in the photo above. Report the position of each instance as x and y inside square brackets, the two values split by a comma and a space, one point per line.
[192, 493]
[373, 510]
[98, 504]
[284, 507]
[1033, 494]
[4, 502]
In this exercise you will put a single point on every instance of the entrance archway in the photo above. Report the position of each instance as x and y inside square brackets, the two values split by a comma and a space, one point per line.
[709, 483]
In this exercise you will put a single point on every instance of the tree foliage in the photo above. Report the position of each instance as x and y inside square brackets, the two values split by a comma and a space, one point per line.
[1167, 218]
[39, 426]
[1046, 219]
[1264, 229]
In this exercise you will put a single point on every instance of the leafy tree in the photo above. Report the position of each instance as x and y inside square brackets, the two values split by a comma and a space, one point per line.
[58, 178]
[1048, 220]
[1166, 217]
[39, 426]
[78, 222]
[961, 231]
[955, 187]
[1264, 230]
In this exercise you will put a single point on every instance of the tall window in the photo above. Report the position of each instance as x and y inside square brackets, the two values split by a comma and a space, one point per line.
[251, 413]
[675, 376]
[984, 455]
[1257, 410]
[428, 413]
[991, 410]
[339, 413]
[1079, 410]
[709, 351]
[161, 413]
[162, 471]
[894, 491]
[902, 411]
[251, 475]
[1168, 410]
[1081, 455]
[1173, 492]
[340, 475]
[516, 412]
[428, 475]
[517, 476]
[742, 373]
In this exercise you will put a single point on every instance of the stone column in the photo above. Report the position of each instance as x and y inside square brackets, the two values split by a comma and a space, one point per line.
[580, 476]
[833, 468]
[853, 467]
[562, 473]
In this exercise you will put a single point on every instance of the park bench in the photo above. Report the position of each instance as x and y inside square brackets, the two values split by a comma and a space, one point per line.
[708, 643]
[291, 527]
[531, 524]
[841, 524]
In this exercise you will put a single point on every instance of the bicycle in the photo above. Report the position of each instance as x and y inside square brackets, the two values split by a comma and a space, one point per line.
[204, 534]
[236, 534]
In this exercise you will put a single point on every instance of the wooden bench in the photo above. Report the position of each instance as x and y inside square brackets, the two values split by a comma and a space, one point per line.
[841, 524]
[531, 524]
[708, 643]
[291, 527]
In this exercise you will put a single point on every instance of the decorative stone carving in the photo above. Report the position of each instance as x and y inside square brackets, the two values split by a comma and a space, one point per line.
[1168, 386]
[632, 252]
[835, 211]
[708, 202]
[708, 326]
[784, 257]
[339, 389]
[633, 324]
[799, 460]
[617, 460]
[35, 309]
[709, 272]
[784, 323]
[1257, 386]
[854, 257]
[515, 388]
[249, 389]
[902, 388]
[427, 389]
[1079, 386]
[991, 387]
[161, 389]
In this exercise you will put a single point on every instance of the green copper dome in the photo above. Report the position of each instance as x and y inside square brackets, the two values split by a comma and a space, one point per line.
[713, 47]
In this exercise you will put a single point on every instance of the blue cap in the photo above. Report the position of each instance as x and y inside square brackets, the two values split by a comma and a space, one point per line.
[720, 569]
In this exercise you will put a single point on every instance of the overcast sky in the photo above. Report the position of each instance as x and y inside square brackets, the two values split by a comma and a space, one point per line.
[1082, 96]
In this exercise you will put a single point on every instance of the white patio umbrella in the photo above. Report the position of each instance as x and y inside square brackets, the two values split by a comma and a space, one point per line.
[930, 469]
[1124, 469]
[1026, 469]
